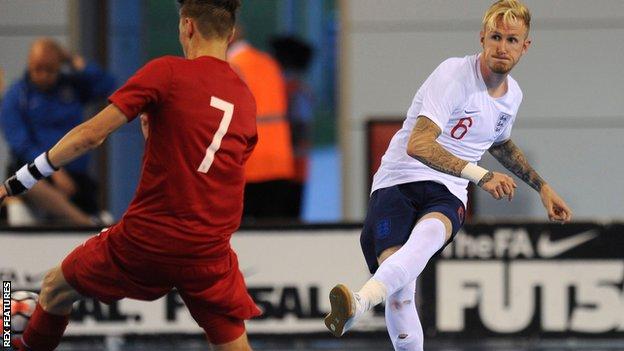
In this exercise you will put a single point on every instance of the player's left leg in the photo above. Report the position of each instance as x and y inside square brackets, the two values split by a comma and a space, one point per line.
[48, 322]
[216, 296]
[239, 344]
[223, 333]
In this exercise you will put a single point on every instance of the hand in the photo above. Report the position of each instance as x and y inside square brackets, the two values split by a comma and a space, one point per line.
[76, 61]
[3, 193]
[500, 186]
[63, 182]
[144, 125]
[558, 210]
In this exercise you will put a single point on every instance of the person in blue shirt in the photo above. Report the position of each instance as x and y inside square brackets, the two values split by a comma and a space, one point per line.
[40, 108]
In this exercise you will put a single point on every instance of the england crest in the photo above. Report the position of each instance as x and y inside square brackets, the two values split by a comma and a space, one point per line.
[503, 118]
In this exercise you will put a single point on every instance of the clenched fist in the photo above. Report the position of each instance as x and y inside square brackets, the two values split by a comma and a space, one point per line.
[499, 185]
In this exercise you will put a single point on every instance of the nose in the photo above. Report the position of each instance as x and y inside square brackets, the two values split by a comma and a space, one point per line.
[501, 48]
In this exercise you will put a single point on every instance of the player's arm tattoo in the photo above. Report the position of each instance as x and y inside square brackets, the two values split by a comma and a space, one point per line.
[486, 178]
[422, 145]
[510, 156]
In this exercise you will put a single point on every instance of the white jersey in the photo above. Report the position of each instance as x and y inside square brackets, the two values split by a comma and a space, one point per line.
[455, 97]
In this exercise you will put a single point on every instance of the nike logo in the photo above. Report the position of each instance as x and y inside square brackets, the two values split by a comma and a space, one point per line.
[471, 112]
[547, 248]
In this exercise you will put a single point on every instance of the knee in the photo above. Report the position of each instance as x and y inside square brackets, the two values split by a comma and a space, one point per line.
[55, 296]
[49, 289]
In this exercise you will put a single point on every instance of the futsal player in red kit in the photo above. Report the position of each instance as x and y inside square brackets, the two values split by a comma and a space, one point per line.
[176, 232]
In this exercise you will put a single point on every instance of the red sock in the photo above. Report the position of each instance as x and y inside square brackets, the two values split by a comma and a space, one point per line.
[44, 331]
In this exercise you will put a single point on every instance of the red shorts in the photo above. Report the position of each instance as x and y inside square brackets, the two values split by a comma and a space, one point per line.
[214, 292]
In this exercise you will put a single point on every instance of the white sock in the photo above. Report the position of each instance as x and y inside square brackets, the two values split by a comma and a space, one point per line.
[405, 265]
[372, 294]
[402, 320]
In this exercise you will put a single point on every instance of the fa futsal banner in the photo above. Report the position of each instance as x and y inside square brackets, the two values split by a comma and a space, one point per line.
[541, 280]
[494, 280]
[289, 274]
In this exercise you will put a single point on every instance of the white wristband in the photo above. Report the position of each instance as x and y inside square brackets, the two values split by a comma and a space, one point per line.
[473, 173]
[44, 166]
[28, 175]
[24, 176]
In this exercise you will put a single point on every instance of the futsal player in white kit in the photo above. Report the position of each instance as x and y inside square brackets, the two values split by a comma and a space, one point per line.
[467, 106]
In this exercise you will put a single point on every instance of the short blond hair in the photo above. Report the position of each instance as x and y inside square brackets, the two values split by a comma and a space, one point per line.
[508, 11]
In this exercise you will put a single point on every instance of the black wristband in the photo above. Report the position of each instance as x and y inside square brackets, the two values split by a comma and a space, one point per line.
[27, 176]
[14, 186]
[34, 171]
[47, 156]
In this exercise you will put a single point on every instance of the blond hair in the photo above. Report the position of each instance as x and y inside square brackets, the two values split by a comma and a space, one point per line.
[508, 11]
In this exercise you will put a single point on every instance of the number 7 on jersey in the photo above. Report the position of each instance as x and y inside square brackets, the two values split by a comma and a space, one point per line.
[228, 111]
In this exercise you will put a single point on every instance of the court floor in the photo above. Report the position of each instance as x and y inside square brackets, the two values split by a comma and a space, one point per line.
[378, 343]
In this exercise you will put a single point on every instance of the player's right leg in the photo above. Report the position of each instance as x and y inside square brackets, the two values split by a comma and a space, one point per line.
[57, 296]
[401, 267]
[48, 322]
[406, 264]
[96, 270]
[389, 220]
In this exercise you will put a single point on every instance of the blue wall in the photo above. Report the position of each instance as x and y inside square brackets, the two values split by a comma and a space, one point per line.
[125, 147]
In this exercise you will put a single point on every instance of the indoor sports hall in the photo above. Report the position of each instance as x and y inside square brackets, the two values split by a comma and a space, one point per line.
[510, 280]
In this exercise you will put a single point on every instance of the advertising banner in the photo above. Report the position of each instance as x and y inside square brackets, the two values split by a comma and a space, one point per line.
[289, 273]
[544, 280]
[502, 280]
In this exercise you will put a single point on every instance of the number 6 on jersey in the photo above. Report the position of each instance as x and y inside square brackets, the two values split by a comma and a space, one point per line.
[228, 111]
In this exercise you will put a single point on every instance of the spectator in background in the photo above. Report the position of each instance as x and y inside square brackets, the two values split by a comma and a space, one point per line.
[295, 55]
[270, 169]
[38, 110]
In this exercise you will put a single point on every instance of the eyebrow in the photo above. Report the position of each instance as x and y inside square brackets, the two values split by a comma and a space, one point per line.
[499, 33]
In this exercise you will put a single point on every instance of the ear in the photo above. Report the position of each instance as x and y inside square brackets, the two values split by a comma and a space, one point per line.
[190, 25]
[526, 45]
[482, 37]
[232, 35]
[187, 27]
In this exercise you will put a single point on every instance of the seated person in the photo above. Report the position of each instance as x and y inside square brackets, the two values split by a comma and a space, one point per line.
[39, 109]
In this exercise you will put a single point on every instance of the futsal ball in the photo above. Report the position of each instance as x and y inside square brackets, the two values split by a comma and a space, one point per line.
[23, 305]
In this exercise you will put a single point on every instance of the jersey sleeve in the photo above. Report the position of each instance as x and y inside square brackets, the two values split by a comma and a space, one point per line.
[441, 95]
[148, 87]
[251, 145]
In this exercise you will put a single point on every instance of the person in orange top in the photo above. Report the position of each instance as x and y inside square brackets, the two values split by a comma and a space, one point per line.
[270, 168]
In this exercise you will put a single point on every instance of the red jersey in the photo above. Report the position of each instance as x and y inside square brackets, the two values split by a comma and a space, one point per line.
[202, 129]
